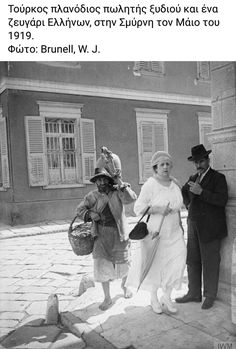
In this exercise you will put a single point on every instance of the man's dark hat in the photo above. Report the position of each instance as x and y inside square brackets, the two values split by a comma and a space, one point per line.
[198, 152]
[101, 172]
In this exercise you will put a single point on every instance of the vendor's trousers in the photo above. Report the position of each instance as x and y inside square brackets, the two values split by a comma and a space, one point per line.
[203, 261]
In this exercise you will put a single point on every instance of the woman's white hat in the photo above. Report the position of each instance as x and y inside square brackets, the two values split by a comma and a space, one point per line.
[159, 156]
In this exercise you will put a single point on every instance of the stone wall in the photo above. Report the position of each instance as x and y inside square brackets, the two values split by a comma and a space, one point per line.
[223, 139]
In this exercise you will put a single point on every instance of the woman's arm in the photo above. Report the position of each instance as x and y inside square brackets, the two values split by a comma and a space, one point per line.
[143, 200]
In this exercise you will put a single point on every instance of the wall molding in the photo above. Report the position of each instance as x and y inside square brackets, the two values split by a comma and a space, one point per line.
[54, 109]
[153, 113]
[223, 136]
[100, 91]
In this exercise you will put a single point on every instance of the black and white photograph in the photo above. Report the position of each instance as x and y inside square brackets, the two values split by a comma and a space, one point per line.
[117, 204]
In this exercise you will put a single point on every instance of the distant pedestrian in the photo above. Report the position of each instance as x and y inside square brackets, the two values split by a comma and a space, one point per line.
[105, 208]
[163, 195]
[205, 196]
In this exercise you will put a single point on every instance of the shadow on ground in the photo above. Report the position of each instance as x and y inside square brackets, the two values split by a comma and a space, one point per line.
[33, 334]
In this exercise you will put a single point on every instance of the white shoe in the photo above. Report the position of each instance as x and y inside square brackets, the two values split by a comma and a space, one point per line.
[156, 307]
[168, 305]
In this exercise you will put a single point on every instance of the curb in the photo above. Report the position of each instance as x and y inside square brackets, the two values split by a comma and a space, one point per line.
[84, 331]
[62, 230]
[11, 235]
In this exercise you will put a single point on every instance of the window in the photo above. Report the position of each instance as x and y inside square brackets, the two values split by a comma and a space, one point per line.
[61, 150]
[148, 68]
[205, 127]
[4, 165]
[203, 71]
[60, 146]
[152, 137]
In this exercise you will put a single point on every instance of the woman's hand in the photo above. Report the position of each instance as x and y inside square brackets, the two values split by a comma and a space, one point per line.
[163, 210]
[155, 235]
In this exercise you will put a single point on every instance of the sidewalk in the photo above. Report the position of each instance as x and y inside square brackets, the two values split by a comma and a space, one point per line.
[37, 261]
[51, 227]
[7, 231]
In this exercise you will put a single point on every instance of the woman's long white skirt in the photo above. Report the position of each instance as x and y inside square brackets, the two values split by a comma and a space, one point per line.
[168, 263]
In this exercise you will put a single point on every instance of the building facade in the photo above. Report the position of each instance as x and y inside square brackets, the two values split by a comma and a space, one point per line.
[55, 116]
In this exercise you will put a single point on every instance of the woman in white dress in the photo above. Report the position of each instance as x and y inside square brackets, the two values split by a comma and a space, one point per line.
[168, 265]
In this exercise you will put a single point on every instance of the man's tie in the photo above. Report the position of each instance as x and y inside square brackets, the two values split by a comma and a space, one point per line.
[198, 179]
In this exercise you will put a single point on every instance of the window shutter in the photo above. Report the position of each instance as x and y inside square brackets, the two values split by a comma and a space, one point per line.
[204, 130]
[157, 67]
[4, 154]
[37, 172]
[152, 140]
[144, 65]
[146, 149]
[88, 145]
[159, 138]
[136, 66]
[153, 68]
[204, 70]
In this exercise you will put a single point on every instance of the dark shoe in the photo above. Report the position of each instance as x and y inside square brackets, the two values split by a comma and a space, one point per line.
[188, 298]
[208, 303]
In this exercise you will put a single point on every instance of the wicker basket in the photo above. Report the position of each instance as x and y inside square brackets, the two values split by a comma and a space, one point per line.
[80, 238]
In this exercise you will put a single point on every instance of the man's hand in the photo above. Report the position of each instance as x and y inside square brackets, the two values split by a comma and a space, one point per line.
[195, 188]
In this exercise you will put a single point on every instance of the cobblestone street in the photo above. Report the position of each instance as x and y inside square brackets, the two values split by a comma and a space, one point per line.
[31, 269]
[35, 266]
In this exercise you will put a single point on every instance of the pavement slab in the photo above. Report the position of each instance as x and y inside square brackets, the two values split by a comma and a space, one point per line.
[37, 308]
[14, 306]
[8, 323]
[183, 337]
[33, 296]
[42, 282]
[10, 271]
[64, 291]
[23, 282]
[64, 270]
[33, 321]
[31, 337]
[37, 289]
[12, 315]
[7, 281]
[83, 330]
[57, 282]
[9, 296]
[40, 307]
[4, 332]
[31, 273]
[68, 341]
[213, 321]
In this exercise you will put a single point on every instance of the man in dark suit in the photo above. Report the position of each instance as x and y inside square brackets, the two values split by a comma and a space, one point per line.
[205, 196]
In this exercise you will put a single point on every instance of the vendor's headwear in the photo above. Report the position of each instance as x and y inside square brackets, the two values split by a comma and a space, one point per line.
[101, 172]
[160, 156]
[198, 152]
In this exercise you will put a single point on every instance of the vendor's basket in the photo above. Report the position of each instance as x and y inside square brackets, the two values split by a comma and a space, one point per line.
[80, 238]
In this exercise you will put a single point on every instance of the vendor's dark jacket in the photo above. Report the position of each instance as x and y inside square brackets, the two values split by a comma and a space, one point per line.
[208, 208]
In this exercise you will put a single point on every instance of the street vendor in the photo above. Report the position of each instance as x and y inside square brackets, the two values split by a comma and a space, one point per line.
[104, 206]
